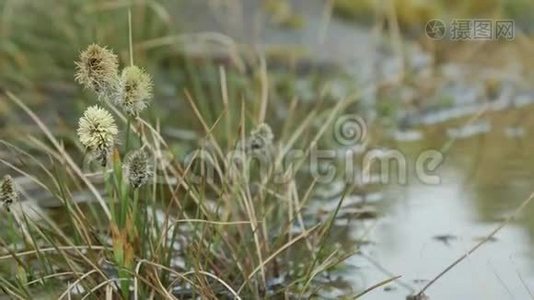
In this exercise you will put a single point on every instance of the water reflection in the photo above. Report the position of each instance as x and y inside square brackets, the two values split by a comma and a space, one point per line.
[425, 228]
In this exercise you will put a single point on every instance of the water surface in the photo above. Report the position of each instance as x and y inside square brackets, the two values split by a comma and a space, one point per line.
[424, 228]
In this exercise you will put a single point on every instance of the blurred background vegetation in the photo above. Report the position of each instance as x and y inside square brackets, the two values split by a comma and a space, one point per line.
[41, 39]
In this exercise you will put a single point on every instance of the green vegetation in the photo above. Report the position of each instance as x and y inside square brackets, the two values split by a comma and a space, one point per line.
[412, 15]
[238, 233]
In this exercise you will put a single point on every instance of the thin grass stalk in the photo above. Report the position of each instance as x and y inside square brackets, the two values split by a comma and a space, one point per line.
[276, 253]
[324, 235]
[226, 105]
[512, 217]
[375, 286]
[61, 150]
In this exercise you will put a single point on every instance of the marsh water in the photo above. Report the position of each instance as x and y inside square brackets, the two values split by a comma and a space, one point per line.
[423, 228]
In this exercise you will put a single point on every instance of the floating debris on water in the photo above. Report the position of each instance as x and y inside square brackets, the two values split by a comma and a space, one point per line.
[445, 238]
[418, 297]
[364, 212]
[389, 288]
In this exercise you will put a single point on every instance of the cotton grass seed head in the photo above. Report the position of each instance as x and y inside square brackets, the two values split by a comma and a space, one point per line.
[8, 192]
[97, 129]
[261, 138]
[97, 70]
[135, 90]
[137, 169]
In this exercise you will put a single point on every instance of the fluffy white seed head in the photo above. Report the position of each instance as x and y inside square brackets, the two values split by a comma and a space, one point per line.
[261, 138]
[135, 90]
[97, 70]
[97, 129]
[137, 169]
[8, 192]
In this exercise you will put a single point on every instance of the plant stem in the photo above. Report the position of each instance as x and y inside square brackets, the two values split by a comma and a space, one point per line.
[130, 36]
[128, 125]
